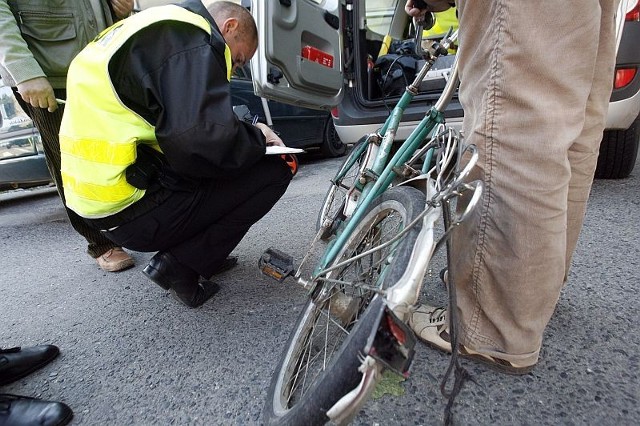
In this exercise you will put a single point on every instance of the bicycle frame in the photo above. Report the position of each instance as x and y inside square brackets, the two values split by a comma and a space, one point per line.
[385, 169]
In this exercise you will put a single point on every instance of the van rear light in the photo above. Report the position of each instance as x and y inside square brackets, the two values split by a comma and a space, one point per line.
[623, 77]
[334, 112]
[316, 55]
[633, 14]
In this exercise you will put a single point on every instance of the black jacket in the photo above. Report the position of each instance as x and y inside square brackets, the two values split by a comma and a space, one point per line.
[174, 75]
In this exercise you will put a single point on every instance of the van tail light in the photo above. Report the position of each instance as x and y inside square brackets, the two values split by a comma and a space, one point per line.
[633, 14]
[623, 77]
[334, 112]
[316, 55]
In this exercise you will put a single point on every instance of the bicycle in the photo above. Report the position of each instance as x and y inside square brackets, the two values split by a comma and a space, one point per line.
[380, 216]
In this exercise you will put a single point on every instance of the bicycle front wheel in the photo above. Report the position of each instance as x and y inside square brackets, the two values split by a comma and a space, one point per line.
[320, 362]
[332, 211]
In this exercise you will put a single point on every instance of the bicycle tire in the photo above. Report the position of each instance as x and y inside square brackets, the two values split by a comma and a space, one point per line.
[306, 403]
[334, 200]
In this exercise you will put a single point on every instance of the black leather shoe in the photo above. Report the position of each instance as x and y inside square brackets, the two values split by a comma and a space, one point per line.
[196, 297]
[15, 363]
[18, 410]
[165, 270]
[225, 265]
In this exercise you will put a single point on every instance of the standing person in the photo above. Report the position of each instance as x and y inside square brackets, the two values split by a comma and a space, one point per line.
[38, 39]
[536, 114]
[152, 153]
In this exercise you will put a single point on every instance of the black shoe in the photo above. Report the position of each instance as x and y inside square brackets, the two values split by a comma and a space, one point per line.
[194, 298]
[18, 410]
[15, 363]
[225, 265]
[166, 271]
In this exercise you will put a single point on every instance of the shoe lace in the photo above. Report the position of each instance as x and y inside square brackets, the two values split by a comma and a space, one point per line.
[438, 315]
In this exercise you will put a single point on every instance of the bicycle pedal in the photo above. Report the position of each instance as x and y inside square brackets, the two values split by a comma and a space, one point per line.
[276, 264]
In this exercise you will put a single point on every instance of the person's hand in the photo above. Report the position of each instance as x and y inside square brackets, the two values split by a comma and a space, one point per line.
[122, 8]
[432, 6]
[270, 135]
[39, 93]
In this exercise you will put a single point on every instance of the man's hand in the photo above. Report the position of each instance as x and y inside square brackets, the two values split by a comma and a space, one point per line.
[270, 135]
[432, 6]
[122, 8]
[39, 93]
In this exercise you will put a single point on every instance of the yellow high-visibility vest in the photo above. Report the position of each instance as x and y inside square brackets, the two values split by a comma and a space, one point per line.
[99, 134]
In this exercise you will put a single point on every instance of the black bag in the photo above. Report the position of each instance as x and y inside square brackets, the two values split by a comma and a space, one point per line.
[396, 70]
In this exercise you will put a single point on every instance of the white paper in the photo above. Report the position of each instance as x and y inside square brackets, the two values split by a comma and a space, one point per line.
[275, 149]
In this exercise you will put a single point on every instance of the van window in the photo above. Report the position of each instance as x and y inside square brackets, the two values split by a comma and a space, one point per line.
[380, 16]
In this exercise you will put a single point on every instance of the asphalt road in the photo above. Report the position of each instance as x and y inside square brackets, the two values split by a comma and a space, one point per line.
[131, 355]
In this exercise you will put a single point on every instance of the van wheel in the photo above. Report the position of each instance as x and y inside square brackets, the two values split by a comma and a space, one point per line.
[332, 146]
[618, 152]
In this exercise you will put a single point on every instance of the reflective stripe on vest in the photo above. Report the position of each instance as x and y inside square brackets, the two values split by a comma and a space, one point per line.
[99, 134]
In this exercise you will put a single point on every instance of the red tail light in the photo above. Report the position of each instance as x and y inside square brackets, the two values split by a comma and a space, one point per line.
[633, 14]
[623, 77]
[334, 112]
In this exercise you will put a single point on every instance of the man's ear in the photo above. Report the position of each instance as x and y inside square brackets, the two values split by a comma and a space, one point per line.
[229, 25]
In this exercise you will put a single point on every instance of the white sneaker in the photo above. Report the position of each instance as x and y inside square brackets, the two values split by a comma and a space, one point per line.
[431, 325]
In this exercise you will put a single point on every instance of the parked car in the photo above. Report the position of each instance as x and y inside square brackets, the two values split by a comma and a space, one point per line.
[619, 148]
[22, 161]
[339, 67]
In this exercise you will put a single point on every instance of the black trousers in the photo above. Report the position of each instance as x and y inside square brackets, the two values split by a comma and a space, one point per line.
[200, 225]
[48, 124]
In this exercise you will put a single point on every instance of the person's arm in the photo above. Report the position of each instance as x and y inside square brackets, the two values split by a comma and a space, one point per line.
[121, 8]
[19, 62]
[414, 10]
[171, 76]
[271, 138]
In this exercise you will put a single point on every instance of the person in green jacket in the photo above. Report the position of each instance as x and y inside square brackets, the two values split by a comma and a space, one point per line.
[35, 53]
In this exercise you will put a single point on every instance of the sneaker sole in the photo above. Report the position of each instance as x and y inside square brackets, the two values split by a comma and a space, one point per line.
[120, 266]
[496, 364]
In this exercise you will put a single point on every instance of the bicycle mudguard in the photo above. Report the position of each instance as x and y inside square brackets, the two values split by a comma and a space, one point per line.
[391, 342]
[389, 345]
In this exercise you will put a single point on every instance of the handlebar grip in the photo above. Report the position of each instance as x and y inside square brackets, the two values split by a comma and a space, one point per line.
[419, 4]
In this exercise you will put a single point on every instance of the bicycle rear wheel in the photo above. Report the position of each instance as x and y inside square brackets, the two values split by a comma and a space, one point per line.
[320, 362]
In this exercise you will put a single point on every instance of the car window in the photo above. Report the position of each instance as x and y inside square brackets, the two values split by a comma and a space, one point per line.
[11, 115]
[18, 136]
[20, 146]
[379, 14]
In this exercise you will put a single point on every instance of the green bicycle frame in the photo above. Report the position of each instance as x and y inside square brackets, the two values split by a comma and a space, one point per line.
[385, 169]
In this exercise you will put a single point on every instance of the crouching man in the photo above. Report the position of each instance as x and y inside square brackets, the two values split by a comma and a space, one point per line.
[152, 154]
